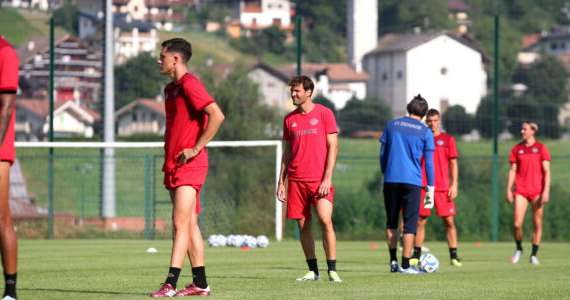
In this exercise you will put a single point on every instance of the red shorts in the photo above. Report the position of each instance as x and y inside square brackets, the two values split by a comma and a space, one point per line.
[194, 177]
[444, 205]
[300, 196]
[529, 195]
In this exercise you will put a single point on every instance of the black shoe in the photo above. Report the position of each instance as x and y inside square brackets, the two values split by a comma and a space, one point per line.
[394, 268]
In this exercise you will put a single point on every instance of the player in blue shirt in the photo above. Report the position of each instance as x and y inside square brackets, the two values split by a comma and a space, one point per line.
[403, 144]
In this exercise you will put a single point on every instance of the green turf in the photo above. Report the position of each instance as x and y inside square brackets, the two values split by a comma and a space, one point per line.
[121, 269]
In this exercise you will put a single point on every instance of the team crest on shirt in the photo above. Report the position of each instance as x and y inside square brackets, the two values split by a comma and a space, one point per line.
[294, 124]
[314, 121]
[534, 150]
[521, 151]
[440, 142]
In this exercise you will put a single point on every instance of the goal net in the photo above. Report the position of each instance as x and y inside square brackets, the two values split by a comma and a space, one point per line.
[237, 198]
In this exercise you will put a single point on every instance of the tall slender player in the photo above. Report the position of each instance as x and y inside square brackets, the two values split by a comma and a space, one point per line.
[192, 120]
[530, 177]
[309, 156]
[403, 144]
[8, 88]
[446, 179]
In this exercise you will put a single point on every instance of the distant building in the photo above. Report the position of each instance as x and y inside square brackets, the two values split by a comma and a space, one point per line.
[163, 14]
[77, 70]
[459, 13]
[337, 82]
[34, 4]
[70, 119]
[443, 68]
[259, 14]
[555, 42]
[133, 37]
[134, 32]
[142, 116]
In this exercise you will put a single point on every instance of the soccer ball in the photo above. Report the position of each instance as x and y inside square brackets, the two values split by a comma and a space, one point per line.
[250, 241]
[262, 241]
[214, 240]
[429, 263]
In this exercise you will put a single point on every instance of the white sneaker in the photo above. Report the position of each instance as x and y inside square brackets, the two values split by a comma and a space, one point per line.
[516, 257]
[411, 271]
[8, 298]
[310, 276]
[534, 260]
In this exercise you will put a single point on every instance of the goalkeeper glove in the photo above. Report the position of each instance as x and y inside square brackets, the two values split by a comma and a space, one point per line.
[429, 199]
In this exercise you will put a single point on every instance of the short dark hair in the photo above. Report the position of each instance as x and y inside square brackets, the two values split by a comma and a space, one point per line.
[179, 45]
[418, 106]
[307, 83]
[432, 112]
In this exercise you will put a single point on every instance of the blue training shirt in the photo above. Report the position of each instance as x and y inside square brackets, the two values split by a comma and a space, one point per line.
[404, 142]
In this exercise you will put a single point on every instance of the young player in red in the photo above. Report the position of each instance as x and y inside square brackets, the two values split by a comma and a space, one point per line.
[446, 177]
[530, 177]
[192, 120]
[8, 89]
[309, 156]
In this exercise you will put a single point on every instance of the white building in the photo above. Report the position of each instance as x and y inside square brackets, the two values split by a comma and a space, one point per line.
[69, 119]
[35, 4]
[133, 37]
[361, 36]
[444, 69]
[142, 116]
[337, 82]
[257, 14]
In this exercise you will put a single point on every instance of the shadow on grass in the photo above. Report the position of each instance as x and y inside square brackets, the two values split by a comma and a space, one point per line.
[81, 291]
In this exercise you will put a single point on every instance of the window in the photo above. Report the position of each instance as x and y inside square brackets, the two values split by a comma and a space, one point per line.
[399, 75]
[384, 76]
[553, 46]
[443, 71]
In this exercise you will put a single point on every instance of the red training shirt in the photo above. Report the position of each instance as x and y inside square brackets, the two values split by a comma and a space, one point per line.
[8, 83]
[185, 120]
[445, 150]
[307, 135]
[530, 175]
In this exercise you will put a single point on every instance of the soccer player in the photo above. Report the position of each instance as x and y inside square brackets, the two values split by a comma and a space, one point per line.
[403, 144]
[309, 156]
[8, 88]
[192, 120]
[446, 176]
[530, 176]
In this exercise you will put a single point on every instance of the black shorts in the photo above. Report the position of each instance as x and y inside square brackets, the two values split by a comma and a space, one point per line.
[402, 197]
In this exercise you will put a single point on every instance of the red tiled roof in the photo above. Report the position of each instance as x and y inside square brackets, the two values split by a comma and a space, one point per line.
[335, 71]
[457, 5]
[148, 103]
[530, 39]
[40, 107]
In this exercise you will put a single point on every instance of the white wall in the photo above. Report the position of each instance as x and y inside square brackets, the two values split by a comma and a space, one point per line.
[270, 9]
[463, 82]
[274, 92]
[362, 30]
[387, 79]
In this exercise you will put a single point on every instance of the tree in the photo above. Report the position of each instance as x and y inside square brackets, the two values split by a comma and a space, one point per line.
[320, 99]
[139, 77]
[67, 17]
[238, 97]
[545, 79]
[484, 117]
[367, 114]
[403, 16]
[272, 39]
[457, 121]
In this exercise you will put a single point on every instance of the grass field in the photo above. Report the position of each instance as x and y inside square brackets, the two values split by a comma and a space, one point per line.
[121, 269]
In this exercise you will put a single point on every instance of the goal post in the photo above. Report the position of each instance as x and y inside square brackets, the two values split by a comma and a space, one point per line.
[158, 145]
